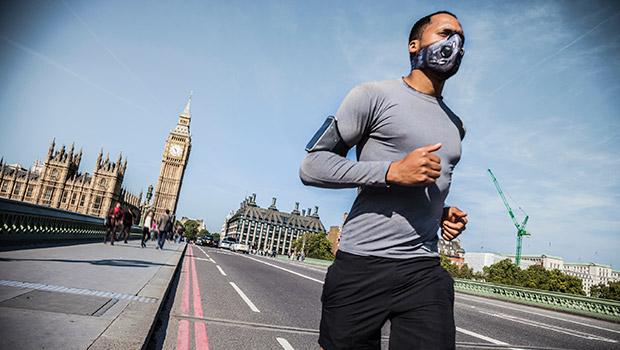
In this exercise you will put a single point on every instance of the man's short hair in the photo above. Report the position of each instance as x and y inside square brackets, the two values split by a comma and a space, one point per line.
[167, 211]
[420, 25]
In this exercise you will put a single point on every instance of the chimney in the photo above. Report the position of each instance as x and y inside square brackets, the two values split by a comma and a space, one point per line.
[253, 197]
[303, 212]
[316, 211]
[309, 211]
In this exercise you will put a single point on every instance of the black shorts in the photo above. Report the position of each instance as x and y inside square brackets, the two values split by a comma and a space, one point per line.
[362, 292]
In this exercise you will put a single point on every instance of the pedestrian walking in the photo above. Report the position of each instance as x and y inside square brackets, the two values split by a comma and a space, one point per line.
[146, 228]
[408, 143]
[180, 233]
[163, 226]
[110, 226]
[154, 230]
[117, 221]
[127, 223]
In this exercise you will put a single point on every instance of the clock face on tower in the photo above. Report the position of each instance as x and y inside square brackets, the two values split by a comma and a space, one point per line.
[176, 150]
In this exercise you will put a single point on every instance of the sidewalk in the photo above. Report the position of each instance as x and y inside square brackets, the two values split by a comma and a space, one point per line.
[88, 296]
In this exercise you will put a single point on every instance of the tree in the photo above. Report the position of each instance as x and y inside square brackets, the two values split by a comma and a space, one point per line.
[191, 229]
[455, 270]
[535, 277]
[503, 272]
[610, 291]
[316, 246]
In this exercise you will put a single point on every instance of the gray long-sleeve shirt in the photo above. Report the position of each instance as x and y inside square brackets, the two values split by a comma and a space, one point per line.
[386, 120]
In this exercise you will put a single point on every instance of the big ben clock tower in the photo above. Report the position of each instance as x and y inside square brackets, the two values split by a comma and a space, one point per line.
[173, 163]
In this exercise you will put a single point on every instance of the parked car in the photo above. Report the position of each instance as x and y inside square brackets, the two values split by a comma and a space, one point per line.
[226, 242]
[240, 247]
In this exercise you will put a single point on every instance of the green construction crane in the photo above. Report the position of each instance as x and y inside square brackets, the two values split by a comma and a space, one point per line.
[520, 227]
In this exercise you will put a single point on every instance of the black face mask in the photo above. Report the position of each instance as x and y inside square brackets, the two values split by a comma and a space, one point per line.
[443, 58]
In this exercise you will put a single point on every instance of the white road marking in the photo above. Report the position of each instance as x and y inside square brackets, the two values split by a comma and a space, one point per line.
[283, 269]
[549, 327]
[475, 300]
[245, 298]
[213, 261]
[205, 253]
[285, 344]
[203, 259]
[221, 271]
[480, 336]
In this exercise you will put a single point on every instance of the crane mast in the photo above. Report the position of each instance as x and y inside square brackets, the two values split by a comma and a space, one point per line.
[520, 227]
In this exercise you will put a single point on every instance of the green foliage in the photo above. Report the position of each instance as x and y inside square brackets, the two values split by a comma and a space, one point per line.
[610, 291]
[456, 271]
[317, 246]
[535, 276]
[216, 236]
[503, 272]
[191, 230]
[203, 232]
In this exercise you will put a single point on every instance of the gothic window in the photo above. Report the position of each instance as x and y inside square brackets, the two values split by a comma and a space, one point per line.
[29, 191]
[73, 198]
[97, 203]
[47, 195]
[64, 196]
[82, 198]
[17, 188]
[5, 187]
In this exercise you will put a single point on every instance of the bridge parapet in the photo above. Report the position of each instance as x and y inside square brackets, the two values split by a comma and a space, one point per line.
[591, 307]
[25, 222]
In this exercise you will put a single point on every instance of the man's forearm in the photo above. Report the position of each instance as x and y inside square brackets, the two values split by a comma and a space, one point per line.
[330, 170]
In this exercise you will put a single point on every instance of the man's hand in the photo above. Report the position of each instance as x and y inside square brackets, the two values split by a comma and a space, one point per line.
[418, 168]
[453, 223]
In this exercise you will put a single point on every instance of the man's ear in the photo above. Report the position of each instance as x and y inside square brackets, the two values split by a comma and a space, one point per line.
[414, 46]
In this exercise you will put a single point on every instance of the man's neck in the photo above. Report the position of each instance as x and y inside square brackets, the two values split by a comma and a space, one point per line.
[423, 83]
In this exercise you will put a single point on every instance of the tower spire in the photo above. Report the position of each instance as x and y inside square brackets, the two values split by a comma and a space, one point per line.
[186, 110]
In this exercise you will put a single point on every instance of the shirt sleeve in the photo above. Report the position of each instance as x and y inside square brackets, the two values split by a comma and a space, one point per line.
[330, 170]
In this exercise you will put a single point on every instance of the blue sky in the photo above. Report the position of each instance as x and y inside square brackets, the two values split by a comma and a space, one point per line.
[537, 91]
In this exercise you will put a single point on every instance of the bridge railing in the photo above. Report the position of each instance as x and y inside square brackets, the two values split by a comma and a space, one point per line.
[591, 307]
[22, 222]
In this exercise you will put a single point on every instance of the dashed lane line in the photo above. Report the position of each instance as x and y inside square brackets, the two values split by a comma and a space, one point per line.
[244, 297]
[315, 332]
[285, 344]
[549, 327]
[476, 300]
[471, 333]
[482, 337]
[203, 259]
[221, 271]
[285, 269]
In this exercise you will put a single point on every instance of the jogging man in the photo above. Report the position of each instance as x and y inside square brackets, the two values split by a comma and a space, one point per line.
[408, 143]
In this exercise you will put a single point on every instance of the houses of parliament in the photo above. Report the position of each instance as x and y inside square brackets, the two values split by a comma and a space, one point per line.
[58, 183]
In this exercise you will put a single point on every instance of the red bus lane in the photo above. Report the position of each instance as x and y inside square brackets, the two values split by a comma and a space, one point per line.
[200, 327]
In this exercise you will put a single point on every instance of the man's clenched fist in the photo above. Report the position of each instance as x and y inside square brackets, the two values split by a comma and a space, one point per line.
[453, 223]
[418, 168]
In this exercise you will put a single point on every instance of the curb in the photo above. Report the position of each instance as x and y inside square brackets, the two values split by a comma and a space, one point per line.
[135, 324]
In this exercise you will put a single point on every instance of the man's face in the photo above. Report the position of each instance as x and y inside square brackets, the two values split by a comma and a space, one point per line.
[442, 26]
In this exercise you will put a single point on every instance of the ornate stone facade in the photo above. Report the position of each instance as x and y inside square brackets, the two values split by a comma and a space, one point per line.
[268, 228]
[173, 164]
[57, 183]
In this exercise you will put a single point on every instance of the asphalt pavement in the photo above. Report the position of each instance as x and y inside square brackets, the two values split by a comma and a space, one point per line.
[227, 300]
